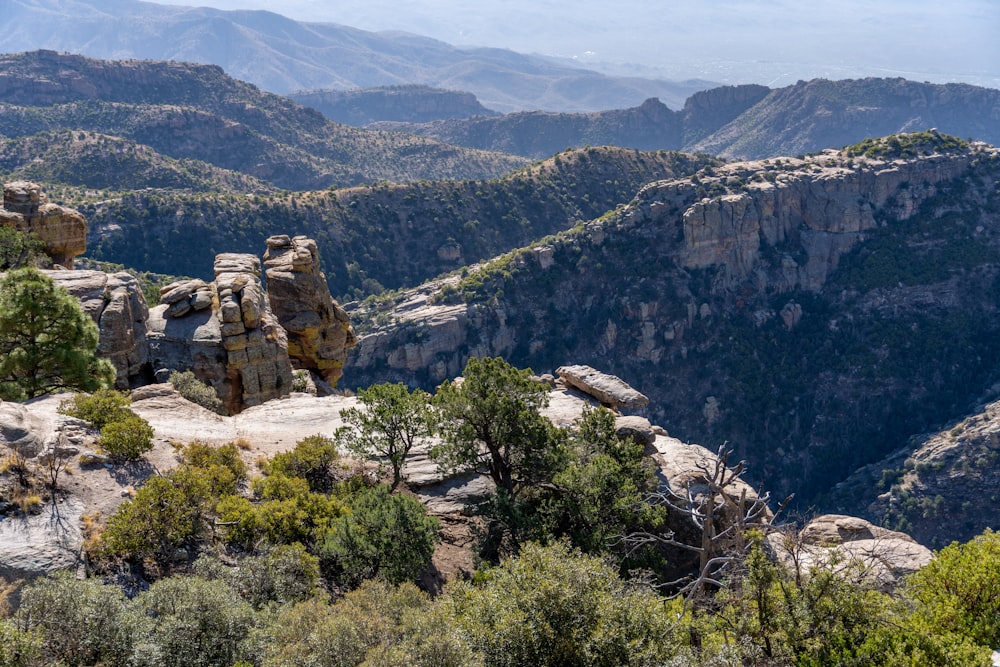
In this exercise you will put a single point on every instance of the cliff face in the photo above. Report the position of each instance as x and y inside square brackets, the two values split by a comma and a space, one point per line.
[792, 307]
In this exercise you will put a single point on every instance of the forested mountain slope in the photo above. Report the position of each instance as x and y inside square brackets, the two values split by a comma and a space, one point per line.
[814, 313]
[383, 236]
[189, 111]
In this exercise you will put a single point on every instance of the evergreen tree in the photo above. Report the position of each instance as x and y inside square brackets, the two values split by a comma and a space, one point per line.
[392, 421]
[47, 342]
[490, 423]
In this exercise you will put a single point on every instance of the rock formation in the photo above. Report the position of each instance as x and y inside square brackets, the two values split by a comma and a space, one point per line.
[608, 389]
[225, 333]
[839, 541]
[319, 330]
[62, 231]
[116, 304]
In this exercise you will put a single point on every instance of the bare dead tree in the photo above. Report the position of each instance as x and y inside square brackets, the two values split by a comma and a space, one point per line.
[54, 462]
[718, 505]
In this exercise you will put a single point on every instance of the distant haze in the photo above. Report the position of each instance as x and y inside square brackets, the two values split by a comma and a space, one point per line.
[772, 42]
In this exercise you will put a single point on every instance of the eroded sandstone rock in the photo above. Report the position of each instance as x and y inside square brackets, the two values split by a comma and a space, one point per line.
[62, 231]
[224, 332]
[840, 541]
[319, 330]
[608, 389]
[116, 304]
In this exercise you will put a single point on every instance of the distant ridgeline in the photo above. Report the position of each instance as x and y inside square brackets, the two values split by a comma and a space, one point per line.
[743, 122]
[409, 104]
[192, 112]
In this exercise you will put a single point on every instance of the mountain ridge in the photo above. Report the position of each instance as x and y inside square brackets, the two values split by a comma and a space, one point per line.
[282, 55]
[748, 301]
[195, 111]
[741, 122]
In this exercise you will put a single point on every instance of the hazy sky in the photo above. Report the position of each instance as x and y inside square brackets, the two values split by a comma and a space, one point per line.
[772, 42]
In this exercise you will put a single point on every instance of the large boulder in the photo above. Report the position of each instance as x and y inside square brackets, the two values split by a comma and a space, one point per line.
[62, 231]
[118, 307]
[319, 330]
[608, 389]
[840, 541]
[224, 332]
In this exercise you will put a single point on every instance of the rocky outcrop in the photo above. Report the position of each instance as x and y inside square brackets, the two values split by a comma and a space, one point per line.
[839, 541]
[608, 389]
[225, 333]
[62, 231]
[822, 206]
[118, 307]
[319, 330]
[939, 488]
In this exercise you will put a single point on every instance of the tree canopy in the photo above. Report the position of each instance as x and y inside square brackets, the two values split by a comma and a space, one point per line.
[47, 342]
[490, 423]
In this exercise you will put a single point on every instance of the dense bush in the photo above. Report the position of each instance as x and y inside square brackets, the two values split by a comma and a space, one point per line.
[960, 589]
[554, 606]
[196, 391]
[387, 535]
[99, 408]
[82, 622]
[377, 624]
[127, 438]
[284, 511]
[312, 459]
[193, 622]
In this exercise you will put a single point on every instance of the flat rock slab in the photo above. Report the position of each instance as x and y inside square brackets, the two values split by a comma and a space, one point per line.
[608, 389]
[34, 545]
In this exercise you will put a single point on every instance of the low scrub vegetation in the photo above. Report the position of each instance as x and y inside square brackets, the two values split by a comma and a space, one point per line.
[583, 560]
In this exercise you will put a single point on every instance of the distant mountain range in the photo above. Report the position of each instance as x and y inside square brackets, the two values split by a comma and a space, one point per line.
[281, 55]
[197, 112]
[744, 122]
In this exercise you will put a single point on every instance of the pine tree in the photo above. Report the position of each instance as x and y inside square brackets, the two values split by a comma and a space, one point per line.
[47, 342]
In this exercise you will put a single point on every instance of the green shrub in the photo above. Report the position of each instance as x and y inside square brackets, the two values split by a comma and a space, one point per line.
[100, 408]
[377, 624]
[128, 438]
[312, 460]
[284, 574]
[80, 622]
[959, 591]
[18, 648]
[193, 622]
[196, 391]
[285, 511]
[386, 535]
[222, 465]
[554, 606]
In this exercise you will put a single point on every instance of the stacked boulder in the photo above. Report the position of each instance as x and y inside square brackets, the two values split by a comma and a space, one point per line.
[62, 231]
[225, 332]
[319, 330]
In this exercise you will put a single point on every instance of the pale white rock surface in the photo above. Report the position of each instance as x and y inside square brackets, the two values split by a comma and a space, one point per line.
[608, 389]
[842, 541]
[34, 545]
